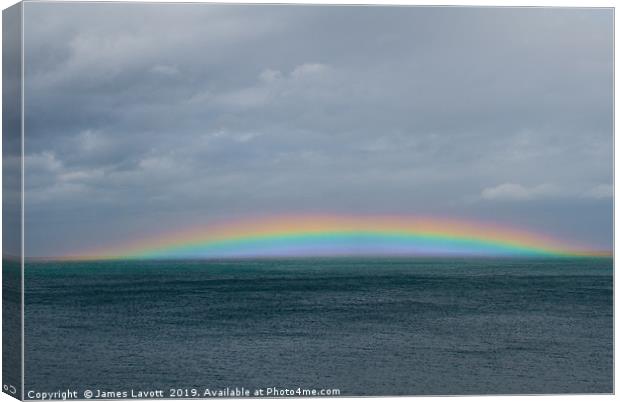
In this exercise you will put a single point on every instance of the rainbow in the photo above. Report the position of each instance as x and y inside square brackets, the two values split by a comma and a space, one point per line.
[339, 235]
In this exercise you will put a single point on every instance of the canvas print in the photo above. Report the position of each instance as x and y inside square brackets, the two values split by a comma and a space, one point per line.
[234, 200]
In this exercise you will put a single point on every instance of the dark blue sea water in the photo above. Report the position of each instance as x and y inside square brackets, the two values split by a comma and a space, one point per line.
[364, 326]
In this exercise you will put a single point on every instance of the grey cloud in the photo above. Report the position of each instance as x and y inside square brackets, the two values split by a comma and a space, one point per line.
[142, 117]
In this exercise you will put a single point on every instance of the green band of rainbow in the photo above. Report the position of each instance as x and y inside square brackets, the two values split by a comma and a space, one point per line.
[329, 235]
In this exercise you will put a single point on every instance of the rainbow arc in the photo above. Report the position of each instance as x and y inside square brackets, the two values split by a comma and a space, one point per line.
[337, 235]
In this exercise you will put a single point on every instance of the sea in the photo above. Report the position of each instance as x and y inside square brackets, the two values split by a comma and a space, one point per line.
[358, 326]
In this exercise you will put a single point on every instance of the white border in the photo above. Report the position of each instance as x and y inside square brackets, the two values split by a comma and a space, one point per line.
[483, 3]
[23, 202]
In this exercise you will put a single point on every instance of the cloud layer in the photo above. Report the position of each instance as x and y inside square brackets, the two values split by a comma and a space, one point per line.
[146, 117]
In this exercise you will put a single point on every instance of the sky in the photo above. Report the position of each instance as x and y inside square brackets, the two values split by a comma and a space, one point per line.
[146, 118]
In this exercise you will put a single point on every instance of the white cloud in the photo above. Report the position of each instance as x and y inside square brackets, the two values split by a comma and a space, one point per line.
[44, 161]
[90, 140]
[157, 163]
[309, 69]
[517, 192]
[164, 69]
[309, 80]
[81, 175]
[270, 75]
[245, 98]
[600, 191]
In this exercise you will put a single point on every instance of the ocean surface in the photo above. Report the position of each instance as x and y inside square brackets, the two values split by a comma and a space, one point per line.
[364, 326]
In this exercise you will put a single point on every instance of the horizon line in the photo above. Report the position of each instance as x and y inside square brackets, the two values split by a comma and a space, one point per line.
[588, 254]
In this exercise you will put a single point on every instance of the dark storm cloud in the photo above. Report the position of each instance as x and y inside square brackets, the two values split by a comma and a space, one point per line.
[142, 117]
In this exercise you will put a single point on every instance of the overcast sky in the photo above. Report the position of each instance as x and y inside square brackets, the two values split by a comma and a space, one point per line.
[141, 118]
